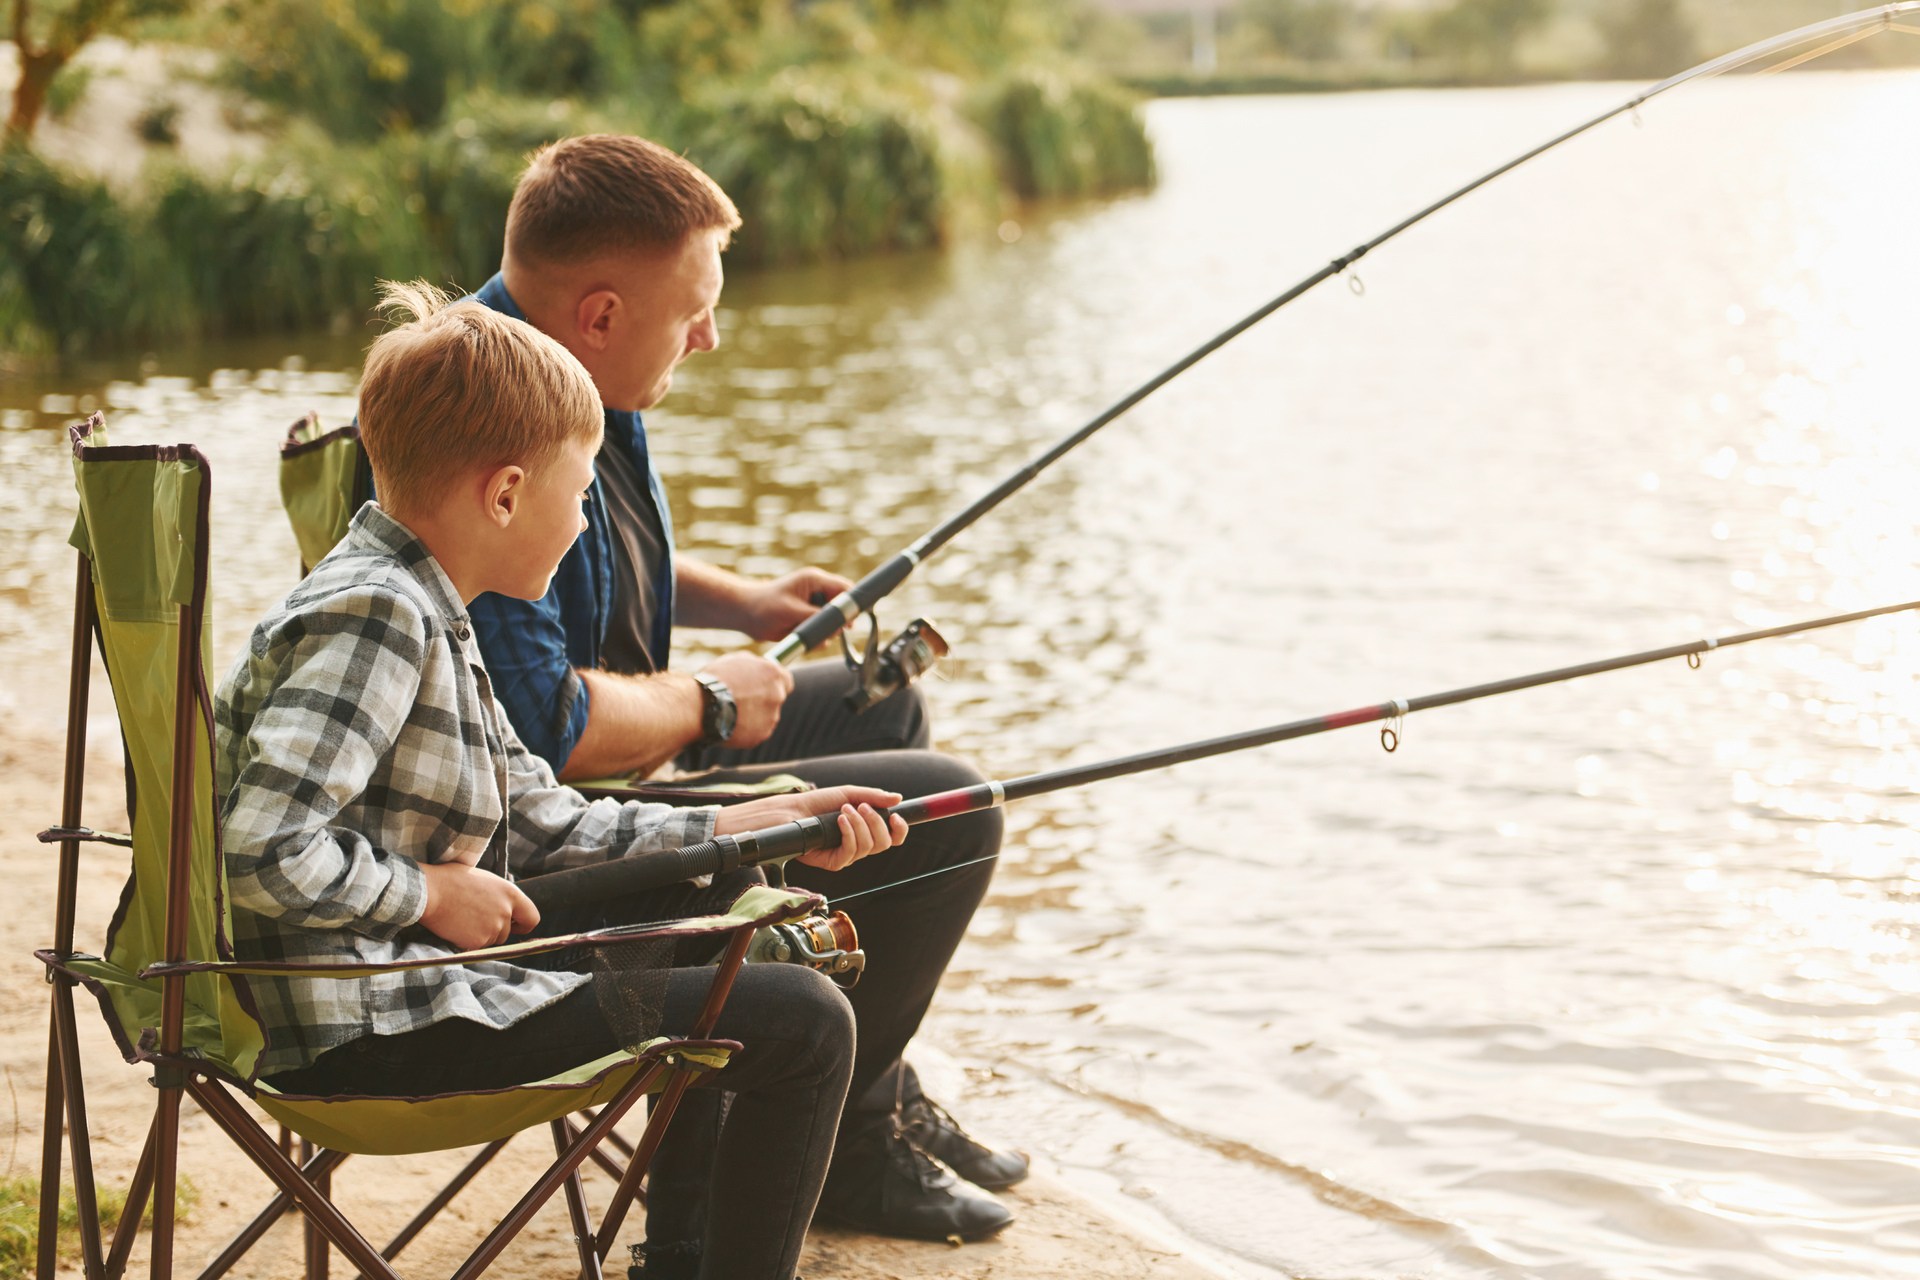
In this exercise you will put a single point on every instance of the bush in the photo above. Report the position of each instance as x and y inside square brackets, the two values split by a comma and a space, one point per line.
[73, 266]
[295, 238]
[1063, 137]
[820, 169]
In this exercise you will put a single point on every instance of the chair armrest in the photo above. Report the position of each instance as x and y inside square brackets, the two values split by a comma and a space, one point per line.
[756, 908]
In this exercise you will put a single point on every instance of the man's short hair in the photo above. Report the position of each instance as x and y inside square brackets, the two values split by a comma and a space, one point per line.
[457, 386]
[581, 198]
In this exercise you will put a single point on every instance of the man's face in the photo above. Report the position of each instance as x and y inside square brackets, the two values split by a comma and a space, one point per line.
[669, 297]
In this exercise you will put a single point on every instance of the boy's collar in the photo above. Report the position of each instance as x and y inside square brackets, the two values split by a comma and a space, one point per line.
[374, 530]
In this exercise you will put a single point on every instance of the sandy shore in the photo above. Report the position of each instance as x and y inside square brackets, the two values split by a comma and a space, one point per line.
[1059, 1234]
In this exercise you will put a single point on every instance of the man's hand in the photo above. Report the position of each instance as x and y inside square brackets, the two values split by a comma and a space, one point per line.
[775, 608]
[472, 908]
[759, 686]
[862, 830]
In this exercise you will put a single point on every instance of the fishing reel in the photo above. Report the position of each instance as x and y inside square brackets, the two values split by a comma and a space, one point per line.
[819, 941]
[885, 672]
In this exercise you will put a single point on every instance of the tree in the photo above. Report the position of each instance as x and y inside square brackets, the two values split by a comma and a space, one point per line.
[1484, 32]
[1648, 38]
[1310, 30]
[48, 33]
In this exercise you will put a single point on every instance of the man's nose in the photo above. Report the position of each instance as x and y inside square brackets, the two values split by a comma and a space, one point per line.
[704, 336]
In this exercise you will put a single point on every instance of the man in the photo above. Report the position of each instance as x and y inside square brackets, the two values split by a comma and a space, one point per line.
[613, 248]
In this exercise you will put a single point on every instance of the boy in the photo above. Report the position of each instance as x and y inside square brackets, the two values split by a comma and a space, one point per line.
[379, 803]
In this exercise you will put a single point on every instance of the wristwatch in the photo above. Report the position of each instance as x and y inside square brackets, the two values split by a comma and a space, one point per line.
[718, 712]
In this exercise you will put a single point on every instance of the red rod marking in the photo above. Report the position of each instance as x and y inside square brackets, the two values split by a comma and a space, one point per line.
[1360, 715]
[945, 804]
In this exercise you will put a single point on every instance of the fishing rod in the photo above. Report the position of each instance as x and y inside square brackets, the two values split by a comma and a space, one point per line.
[582, 885]
[889, 669]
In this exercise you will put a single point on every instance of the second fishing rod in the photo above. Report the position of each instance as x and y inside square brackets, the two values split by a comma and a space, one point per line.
[895, 665]
[583, 885]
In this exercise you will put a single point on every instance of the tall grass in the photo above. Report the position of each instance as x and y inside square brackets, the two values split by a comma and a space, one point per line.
[1063, 136]
[20, 1220]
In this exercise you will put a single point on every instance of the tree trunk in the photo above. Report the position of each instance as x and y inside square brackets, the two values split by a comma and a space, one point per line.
[37, 71]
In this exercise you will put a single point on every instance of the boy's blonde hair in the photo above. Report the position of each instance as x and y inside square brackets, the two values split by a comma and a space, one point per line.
[457, 385]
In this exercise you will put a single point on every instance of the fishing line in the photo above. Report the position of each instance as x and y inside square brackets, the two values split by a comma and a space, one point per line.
[925, 875]
[837, 613]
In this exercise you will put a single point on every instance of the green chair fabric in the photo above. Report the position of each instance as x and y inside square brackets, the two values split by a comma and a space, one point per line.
[324, 479]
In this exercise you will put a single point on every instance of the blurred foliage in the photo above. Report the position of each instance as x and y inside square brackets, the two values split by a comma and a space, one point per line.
[1648, 38]
[398, 129]
[1305, 30]
[1477, 35]
[46, 34]
[1065, 137]
[68, 88]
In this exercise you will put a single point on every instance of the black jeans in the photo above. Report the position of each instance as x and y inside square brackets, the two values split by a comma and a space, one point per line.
[787, 1085]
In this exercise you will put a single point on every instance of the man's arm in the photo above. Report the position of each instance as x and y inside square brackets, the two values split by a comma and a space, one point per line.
[706, 596]
[635, 724]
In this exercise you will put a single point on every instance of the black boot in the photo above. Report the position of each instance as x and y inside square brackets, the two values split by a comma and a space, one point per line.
[930, 1127]
[880, 1182]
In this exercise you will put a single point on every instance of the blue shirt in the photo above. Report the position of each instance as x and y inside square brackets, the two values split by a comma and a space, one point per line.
[534, 648]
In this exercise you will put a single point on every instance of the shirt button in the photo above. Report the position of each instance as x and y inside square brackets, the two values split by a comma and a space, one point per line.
[463, 633]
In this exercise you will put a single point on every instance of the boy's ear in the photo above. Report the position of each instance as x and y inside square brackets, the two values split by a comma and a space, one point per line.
[502, 492]
[595, 316]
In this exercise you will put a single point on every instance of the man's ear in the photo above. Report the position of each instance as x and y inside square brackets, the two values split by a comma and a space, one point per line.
[503, 491]
[595, 316]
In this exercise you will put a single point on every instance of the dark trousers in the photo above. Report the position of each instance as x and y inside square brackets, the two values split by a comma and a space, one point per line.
[909, 932]
[786, 1086]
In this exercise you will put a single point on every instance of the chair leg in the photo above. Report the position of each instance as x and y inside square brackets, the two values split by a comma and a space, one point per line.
[135, 1207]
[317, 1253]
[166, 1171]
[629, 1186]
[541, 1191]
[78, 1136]
[243, 1129]
[51, 1136]
[583, 1237]
[263, 1222]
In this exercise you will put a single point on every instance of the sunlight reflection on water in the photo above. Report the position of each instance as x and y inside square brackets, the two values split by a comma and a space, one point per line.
[1614, 978]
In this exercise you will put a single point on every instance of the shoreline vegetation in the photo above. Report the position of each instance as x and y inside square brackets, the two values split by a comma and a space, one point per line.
[381, 139]
[271, 159]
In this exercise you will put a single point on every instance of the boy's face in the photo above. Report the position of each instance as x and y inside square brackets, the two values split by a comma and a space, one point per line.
[548, 519]
[670, 298]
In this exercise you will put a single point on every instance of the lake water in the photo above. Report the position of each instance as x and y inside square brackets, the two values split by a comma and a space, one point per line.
[1610, 979]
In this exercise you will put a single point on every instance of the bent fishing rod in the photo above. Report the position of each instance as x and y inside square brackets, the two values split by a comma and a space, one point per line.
[839, 612]
[583, 885]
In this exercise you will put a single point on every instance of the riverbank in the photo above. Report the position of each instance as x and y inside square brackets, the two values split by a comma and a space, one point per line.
[1059, 1234]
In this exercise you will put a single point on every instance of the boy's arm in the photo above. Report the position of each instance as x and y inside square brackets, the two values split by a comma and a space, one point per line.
[310, 749]
[551, 827]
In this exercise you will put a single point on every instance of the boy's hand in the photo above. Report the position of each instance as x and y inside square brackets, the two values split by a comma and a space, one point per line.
[862, 830]
[759, 687]
[472, 908]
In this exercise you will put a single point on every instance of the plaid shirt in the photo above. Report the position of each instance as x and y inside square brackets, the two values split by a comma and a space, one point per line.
[355, 738]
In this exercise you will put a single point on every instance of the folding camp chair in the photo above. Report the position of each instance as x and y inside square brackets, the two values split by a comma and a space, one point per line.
[174, 996]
